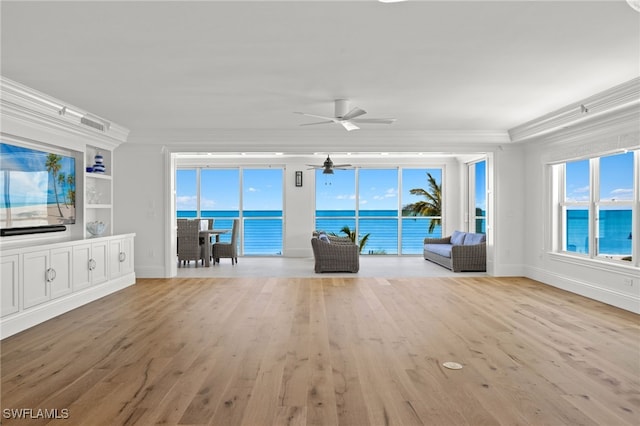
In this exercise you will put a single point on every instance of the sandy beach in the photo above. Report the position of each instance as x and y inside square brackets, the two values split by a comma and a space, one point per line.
[41, 214]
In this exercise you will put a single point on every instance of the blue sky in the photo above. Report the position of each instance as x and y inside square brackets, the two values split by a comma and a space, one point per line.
[262, 189]
[30, 183]
[616, 178]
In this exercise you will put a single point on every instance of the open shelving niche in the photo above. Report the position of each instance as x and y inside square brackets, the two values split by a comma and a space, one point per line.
[98, 190]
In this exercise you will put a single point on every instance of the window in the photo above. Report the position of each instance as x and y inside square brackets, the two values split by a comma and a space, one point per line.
[252, 195]
[262, 211]
[186, 193]
[421, 208]
[378, 210]
[336, 200]
[395, 209]
[577, 190]
[615, 206]
[478, 192]
[598, 205]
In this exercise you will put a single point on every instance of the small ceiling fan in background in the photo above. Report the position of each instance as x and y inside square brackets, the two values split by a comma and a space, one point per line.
[346, 117]
[328, 166]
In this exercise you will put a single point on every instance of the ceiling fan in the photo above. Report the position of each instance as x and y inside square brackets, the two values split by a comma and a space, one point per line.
[328, 166]
[346, 117]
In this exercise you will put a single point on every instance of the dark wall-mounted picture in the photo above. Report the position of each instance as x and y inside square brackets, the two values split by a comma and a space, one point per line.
[299, 178]
[37, 189]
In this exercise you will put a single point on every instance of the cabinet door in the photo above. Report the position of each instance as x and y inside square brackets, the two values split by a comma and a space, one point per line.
[115, 250]
[35, 272]
[61, 266]
[100, 271]
[126, 261]
[9, 280]
[81, 266]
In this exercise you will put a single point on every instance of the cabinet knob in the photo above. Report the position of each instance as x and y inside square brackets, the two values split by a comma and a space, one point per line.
[123, 256]
[50, 275]
[92, 264]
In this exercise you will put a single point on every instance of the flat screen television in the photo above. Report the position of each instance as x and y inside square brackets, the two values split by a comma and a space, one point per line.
[37, 190]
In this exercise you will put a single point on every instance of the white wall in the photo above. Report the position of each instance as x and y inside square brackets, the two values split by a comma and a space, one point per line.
[139, 200]
[510, 187]
[598, 280]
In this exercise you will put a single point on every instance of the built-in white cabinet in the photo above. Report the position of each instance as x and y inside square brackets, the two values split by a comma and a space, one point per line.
[90, 264]
[9, 275]
[120, 256]
[46, 275]
[39, 283]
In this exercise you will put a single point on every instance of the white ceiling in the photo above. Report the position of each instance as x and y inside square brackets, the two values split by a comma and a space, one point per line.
[200, 67]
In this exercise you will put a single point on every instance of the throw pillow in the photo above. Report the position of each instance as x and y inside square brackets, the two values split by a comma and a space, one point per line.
[474, 239]
[325, 238]
[457, 238]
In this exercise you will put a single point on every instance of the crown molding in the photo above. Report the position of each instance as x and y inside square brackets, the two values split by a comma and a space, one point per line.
[617, 98]
[21, 105]
[303, 141]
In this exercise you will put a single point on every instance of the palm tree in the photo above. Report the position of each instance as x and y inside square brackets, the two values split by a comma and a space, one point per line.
[53, 166]
[354, 237]
[71, 192]
[432, 206]
[62, 180]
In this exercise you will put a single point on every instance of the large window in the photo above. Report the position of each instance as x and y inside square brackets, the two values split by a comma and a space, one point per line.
[392, 209]
[252, 195]
[187, 193]
[421, 208]
[262, 211]
[598, 204]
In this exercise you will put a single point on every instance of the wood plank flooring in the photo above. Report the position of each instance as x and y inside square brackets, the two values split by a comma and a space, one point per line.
[330, 351]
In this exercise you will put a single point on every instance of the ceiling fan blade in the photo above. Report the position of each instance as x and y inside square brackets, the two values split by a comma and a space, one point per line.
[355, 112]
[338, 166]
[375, 120]
[319, 122]
[332, 119]
[348, 125]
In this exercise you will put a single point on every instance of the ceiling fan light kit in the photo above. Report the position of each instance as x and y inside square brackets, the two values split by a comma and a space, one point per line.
[328, 167]
[346, 117]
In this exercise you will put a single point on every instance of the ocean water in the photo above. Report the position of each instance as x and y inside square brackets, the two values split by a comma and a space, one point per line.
[263, 230]
[614, 232]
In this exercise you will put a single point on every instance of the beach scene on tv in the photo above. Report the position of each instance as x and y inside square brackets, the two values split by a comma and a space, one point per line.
[37, 188]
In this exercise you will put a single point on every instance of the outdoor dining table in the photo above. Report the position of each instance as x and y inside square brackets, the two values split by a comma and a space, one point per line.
[206, 234]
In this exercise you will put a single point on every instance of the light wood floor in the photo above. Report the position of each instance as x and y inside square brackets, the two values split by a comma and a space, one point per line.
[331, 351]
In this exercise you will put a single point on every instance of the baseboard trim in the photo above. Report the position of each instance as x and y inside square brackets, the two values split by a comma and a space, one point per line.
[624, 301]
[151, 272]
[23, 320]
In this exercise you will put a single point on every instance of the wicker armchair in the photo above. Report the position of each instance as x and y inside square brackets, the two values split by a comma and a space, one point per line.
[338, 255]
[189, 247]
[229, 249]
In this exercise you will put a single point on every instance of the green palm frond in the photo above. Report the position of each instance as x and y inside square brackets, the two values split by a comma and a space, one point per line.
[431, 206]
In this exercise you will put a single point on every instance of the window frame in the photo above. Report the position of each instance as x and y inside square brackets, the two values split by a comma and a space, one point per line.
[358, 217]
[241, 208]
[593, 206]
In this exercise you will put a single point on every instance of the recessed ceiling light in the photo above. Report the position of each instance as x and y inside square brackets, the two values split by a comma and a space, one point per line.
[391, 1]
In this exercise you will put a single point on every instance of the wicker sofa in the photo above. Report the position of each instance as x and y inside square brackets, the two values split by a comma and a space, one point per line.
[334, 254]
[461, 251]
